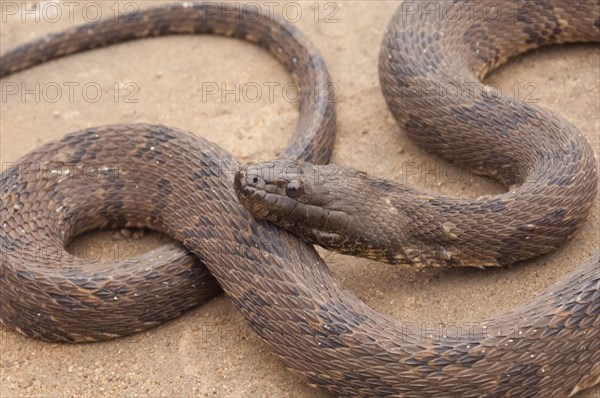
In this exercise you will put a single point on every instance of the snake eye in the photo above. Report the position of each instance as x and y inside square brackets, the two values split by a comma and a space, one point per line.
[294, 188]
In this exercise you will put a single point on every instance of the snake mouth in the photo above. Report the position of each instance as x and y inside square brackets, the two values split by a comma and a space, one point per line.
[250, 190]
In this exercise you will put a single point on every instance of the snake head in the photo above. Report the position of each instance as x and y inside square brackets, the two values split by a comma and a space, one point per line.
[303, 198]
[273, 189]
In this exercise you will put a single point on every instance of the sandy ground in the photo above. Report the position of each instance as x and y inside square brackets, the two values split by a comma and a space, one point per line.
[210, 351]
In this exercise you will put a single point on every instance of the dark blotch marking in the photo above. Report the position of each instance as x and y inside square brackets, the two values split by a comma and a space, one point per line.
[424, 134]
[293, 291]
[481, 44]
[495, 205]
[154, 274]
[165, 188]
[383, 185]
[158, 136]
[189, 233]
[25, 275]
[335, 324]
[118, 186]
[195, 175]
[251, 302]
[205, 227]
[65, 300]
[85, 283]
[550, 230]
[209, 169]
[202, 183]
[9, 178]
[122, 290]
[112, 210]
[205, 221]
[525, 375]
[470, 359]
[540, 24]
[87, 134]
[140, 152]
[9, 245]
[104, 293]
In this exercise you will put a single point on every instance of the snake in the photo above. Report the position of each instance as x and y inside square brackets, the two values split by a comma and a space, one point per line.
[549, 346]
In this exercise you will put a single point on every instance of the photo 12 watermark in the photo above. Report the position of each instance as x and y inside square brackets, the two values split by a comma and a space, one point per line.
[469, 11]
[71, 254]
[467, 92]
[130, 11]
[66, 171]
[253, 92]
[69, 11]
[71, 92]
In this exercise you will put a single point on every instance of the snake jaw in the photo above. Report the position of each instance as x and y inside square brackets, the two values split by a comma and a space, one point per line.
[326, 239]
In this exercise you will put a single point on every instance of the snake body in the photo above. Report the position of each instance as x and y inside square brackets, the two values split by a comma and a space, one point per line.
[547, 347]
[170, 265]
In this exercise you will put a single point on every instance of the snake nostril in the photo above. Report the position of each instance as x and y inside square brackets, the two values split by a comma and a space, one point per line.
[255, 180]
